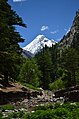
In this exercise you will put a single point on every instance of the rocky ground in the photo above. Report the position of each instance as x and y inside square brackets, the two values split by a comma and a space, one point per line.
[22, 97]
[25, 99]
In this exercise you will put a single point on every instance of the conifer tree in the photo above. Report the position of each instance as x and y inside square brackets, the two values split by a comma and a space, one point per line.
[70, 62]
[9, 38]
[44, 61]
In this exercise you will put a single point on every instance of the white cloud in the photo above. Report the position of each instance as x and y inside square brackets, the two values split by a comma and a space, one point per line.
[44, 28]
[18, 0]
[54, 32]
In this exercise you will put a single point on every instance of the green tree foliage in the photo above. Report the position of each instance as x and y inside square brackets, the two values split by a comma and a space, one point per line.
[63, 74]
[30, 73]
[9, 38]
[58, 84]
[61, 80]
[44, 60]
[70, 62]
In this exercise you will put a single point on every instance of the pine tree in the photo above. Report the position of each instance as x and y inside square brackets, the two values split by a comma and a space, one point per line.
[70, 62]
[9, 38]
[44, 61]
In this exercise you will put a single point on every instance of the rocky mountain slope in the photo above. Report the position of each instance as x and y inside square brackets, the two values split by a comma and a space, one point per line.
[69, 38]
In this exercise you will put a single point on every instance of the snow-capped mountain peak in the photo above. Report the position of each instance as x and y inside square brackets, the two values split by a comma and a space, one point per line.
[38, 43]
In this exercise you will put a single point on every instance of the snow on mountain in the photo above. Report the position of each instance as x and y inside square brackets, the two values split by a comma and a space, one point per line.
[38, 43]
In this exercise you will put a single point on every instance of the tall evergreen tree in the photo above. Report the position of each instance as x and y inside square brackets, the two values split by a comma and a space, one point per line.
[70, 62]
[44, 61]
[9, 38]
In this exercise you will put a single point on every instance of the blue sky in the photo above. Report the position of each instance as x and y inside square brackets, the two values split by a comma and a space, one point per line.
[52, 18]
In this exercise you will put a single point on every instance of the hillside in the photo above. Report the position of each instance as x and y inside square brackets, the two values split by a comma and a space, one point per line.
[70, 38]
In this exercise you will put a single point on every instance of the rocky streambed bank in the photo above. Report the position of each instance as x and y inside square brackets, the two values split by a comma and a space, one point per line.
[24, 99]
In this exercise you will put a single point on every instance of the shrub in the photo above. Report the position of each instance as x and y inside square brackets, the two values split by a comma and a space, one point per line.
[58, 84]
[54, 111]
[65, 111]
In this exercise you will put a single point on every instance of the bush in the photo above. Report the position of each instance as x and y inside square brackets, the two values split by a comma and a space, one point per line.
[65, 111]
[58, 84]
[54, 111]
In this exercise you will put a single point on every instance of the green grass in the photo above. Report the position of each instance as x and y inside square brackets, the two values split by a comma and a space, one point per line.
[16, 115]
[1, 115]
[7, 107]
[50, 111]
[30, 86]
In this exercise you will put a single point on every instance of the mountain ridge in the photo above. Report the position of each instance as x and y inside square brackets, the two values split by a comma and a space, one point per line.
[37, 45]
[69, 39]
